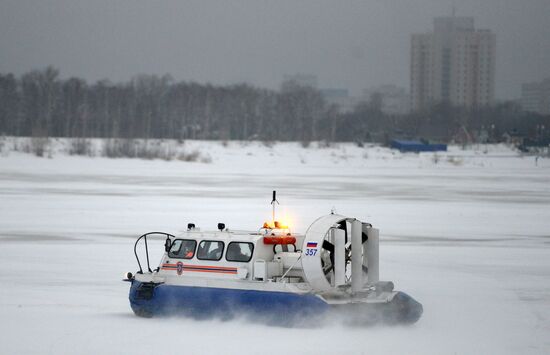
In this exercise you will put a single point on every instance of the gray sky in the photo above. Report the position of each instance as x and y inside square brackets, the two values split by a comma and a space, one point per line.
[347, 44]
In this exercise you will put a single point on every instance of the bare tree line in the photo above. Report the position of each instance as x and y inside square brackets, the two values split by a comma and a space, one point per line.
[444, 123]
[41, 104]
[148, 106]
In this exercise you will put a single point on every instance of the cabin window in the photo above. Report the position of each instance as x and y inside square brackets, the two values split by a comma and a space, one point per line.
[182, 249]
[239, 251]
[210, 250]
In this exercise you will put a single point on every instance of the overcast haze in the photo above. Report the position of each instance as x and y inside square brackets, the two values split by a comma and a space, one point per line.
[347, 44]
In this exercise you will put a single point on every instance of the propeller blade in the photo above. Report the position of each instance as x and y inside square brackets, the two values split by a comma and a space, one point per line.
[328, 246]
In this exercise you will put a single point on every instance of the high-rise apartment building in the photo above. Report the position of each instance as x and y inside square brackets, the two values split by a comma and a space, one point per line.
[535, 97]
[455, 63]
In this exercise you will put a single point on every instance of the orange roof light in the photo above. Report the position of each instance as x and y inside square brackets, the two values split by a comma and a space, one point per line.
[280, 225]
[275, 225]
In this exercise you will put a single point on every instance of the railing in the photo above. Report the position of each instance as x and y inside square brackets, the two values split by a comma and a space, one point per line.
[167, 245]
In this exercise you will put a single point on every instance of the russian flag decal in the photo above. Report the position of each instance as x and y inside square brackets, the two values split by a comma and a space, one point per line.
[311, 245]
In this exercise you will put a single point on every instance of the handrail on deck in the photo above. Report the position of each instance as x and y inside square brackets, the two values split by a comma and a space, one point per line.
[144, 236]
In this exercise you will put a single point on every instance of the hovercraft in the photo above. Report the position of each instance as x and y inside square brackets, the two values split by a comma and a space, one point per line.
[272, 273]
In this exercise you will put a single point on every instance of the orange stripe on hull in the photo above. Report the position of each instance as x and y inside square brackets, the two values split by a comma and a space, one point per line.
[221, 268]
[210, 269]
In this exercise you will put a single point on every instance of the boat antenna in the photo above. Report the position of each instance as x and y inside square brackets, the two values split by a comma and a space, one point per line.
[273, 203]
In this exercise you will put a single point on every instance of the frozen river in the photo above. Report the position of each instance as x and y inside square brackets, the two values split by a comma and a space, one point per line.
[466, 233]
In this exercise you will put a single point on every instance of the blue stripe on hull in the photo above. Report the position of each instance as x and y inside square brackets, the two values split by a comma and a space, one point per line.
[206, 302]
[280, 308]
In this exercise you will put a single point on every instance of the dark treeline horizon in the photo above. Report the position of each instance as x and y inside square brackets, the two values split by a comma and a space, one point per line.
[39, 103]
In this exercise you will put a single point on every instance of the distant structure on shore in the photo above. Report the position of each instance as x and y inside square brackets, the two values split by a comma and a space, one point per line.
[392, 99]
[455, 64]
[340, 98]
[302, 79]
[535, 97]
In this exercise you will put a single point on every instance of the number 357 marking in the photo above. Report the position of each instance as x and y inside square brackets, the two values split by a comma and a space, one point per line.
[311, 252]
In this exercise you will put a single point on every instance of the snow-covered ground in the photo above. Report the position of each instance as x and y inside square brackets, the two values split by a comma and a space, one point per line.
[466, 233]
